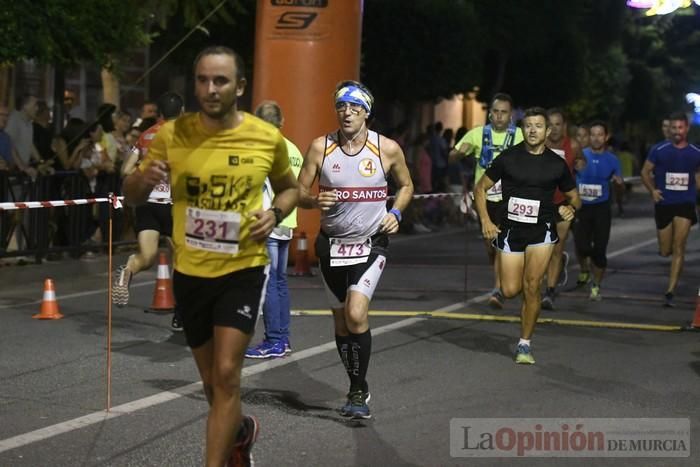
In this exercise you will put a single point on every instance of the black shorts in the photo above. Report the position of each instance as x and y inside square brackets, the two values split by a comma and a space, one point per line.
[515, 238]
[664, 213]
[233, 300]
[495, 210]
[154, 216]
[362, 277]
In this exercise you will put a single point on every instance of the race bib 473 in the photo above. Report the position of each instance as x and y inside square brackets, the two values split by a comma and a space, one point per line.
[349, 251]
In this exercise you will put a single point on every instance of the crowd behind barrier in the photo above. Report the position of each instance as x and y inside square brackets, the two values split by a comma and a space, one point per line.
[50, 232]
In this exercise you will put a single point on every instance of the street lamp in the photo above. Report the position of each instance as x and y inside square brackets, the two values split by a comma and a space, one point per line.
[661, 7]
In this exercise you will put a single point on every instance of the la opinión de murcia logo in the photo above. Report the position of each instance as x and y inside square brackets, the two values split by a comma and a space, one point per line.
[594, 437]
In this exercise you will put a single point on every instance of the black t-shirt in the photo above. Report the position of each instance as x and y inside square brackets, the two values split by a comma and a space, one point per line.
[42, 141]
[529, 181]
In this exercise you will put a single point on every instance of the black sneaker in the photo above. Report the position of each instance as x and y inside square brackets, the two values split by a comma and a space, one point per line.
[176, 324]
[548, 300]
[668, 300]
[241, 455]
[496, 299]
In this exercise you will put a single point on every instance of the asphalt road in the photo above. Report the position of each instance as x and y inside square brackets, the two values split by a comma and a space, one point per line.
[425, 371]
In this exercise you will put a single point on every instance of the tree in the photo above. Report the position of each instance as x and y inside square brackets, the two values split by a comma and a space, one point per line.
[173, 47]
[420, 49]
[66, 32]
[664, 66]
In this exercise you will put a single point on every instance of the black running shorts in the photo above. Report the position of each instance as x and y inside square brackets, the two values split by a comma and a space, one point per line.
[664, 213]
[515, 238]
[154, 216]
[362, 277]
[232, 300]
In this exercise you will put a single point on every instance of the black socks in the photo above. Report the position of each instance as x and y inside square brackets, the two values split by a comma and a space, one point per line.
[354, 351]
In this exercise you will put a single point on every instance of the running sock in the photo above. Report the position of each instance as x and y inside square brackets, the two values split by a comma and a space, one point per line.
[361, 349]
[550, 290]
[342, 343]
[524, 342]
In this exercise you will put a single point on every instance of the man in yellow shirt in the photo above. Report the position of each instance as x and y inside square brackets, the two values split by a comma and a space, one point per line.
[217, 161]
[485, 143]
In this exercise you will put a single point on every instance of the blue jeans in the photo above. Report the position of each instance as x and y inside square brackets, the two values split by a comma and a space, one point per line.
[276, 311]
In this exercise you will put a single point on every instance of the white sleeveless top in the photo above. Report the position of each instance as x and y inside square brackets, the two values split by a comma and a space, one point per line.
[360, 182]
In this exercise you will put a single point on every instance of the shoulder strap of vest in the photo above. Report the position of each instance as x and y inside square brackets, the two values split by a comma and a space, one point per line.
[486, 155]
[486, 136]
[510, 136]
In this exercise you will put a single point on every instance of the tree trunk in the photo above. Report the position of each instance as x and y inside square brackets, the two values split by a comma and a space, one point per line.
[110, 87]
[59, 86]
[6, 86]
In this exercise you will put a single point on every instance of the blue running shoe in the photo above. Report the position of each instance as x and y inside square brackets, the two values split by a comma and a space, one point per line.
[356, 405]
[266, 350]
[287, 346]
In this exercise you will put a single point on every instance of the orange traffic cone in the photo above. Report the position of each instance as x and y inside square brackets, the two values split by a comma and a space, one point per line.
[696, 319]
[163, 299]
[301, 261]
[49, 305]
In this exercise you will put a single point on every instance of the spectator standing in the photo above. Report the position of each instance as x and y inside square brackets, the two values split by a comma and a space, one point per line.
[276, 310]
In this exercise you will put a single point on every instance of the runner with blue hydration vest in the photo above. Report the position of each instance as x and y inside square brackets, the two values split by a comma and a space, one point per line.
[486, 143]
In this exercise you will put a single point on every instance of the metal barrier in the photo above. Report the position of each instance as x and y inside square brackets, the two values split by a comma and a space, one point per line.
[37, 232]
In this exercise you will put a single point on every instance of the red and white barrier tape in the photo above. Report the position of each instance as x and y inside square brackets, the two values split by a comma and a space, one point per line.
[434, 195]
[116, 201]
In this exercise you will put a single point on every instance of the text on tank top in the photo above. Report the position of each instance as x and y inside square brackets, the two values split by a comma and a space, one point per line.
[361, 188]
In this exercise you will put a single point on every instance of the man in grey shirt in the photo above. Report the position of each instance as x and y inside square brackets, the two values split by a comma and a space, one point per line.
[21, 131]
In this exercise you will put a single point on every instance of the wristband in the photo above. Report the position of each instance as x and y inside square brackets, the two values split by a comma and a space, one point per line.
[396, 213]
[278, 215]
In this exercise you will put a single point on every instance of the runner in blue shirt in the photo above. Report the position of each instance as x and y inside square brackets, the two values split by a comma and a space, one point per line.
[669, 173]
[592, 228]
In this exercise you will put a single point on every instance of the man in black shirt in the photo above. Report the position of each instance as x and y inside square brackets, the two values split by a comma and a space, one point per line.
[529, 173]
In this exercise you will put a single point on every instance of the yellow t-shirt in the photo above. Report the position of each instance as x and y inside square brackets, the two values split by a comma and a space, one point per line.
[474, 138]
[295, 160]
[217, 180]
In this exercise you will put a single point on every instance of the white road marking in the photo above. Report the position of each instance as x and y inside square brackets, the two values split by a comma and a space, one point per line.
[165, 396]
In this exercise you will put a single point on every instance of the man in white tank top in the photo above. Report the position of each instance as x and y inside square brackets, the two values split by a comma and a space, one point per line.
[352, 165]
